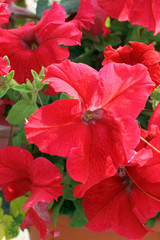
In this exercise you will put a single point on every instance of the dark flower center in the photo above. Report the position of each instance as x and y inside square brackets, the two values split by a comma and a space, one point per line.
[31, 41]
[92, 116]
[126, 180]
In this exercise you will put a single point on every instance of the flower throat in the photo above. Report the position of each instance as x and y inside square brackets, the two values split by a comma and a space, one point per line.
[31, 41]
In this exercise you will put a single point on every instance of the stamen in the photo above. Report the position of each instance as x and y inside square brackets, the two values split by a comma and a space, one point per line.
[144, 140]
[158, 200]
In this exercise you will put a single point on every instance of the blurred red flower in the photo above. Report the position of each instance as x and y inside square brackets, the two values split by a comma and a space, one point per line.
[4, 14]
[132, 10]
[39, 45]
[137, 53]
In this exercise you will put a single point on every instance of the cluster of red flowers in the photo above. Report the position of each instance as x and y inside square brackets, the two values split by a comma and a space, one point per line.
[116, 163]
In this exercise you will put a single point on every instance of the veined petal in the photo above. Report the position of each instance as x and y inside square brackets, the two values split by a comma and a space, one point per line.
[15, 164]
[46, 180]
[76, 79]
[56, 128]
[107, 206]
[122, 84]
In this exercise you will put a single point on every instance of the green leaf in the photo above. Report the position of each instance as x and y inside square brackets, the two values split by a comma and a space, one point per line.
[10, 75]
[2, 231]
[79, 219]
[108, 22]
[119, 27]
[156, 94]
[101, 45]
[24, 88]
[1, 201]
[19, 137]
[8, 221]
[20, 111]
[3, 90]
[37, 82]
[57, 207]
[12, 95]
[85, 58]
[64, 96]
[16, 206]
[1, 214]
[150, 222]
[69, 185]
[44, 98]
[112, 39]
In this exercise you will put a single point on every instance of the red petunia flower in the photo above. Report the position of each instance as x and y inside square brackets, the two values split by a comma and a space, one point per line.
[85, 15]
[100, 17]
[116, 10]
[91, 17]
[137, 53]
[95, 131]
[20, 173]
[39, 45]
[125, 202]
[150, 17]
[4, 14]
[132, 10]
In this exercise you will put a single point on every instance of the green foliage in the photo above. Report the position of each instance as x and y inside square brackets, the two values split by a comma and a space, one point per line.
[19, 137]
[57, 207]
[8, 226]
[64, 96]
[111, 39]
[69, 185]
[7, 82]
[150, 222]
[16, 207]
[156, 94]
[11, 229]
[20, 111]
[78, 219]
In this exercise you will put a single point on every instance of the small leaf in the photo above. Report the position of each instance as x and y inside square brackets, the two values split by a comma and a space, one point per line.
[156, 94]
[69, 185]
[37, 82]
[8, 221]
[3, 90]
[150, 222]
[16, 206]
[24, 88]
[113, 40]
[79, 219]
[108, 22]
[19, 137]
[1, 214]
[10, 75]
[20, 111]
[57, 207]
[2, 231]
[64, 96]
